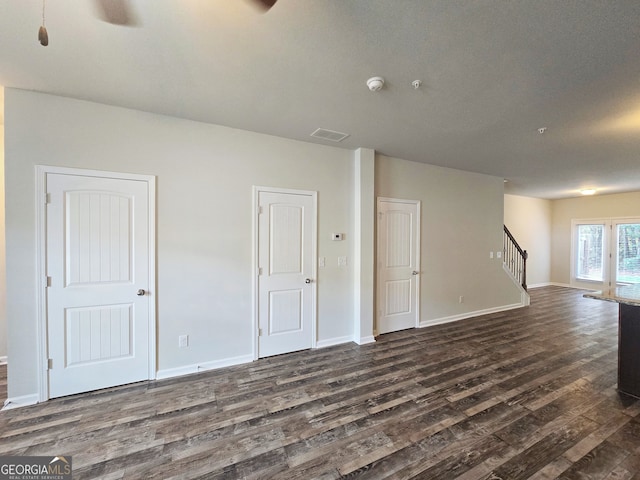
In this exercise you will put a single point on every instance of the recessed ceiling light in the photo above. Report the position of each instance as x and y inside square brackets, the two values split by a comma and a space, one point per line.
[588, 191]
[542, 130]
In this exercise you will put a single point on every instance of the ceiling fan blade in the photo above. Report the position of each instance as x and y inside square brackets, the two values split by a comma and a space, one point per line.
[117, 12]
[266, 4]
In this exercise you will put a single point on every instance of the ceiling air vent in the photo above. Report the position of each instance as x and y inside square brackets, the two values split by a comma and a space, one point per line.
[330, 135]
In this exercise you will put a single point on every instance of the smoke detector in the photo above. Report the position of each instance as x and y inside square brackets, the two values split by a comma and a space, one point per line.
[375, 84]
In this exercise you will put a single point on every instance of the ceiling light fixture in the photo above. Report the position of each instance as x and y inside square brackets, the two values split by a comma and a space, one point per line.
[588, 191]
[416, 84]
[542, 130]
[375, 84]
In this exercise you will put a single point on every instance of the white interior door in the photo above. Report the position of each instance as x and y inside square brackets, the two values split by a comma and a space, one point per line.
[97, 261]
[398, 264]
[286, 288]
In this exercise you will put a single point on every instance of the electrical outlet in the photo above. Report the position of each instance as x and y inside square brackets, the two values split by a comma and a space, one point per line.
[321, 261]
[461, 299]
[183, 341]
[342, 261]
[490, 254]
[499, 254]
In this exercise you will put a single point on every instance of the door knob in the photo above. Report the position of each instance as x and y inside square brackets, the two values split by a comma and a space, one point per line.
[307, 280]
[414, 273]
[141, 292]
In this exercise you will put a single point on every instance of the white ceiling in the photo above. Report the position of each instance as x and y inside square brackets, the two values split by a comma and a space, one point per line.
[493, 72]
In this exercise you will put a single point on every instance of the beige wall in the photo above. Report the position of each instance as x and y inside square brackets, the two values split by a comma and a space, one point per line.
[3, 278]
[597, 206]
[462, 218]
[205, 175]
[529, 220]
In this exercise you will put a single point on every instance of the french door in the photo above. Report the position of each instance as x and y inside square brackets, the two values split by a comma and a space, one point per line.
[606, 252]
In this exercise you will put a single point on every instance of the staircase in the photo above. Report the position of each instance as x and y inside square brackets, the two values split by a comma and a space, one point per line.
[515, 258]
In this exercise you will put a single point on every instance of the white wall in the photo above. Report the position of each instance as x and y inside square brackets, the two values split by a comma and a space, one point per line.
[529, 220]
[597, 206]
[3, 278]
[205, 175]
[462, 218]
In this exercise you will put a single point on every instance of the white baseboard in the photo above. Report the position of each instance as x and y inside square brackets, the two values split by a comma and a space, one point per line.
[3, 360]
[330, 342]
[540, 285]
[568, 285]
[202, 367]
[365, 340]
[17, 402]
[463, 316]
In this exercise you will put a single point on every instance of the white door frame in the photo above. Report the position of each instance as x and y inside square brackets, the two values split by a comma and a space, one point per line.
[41, 264]
[255, 258]
[418, 204]
[609, 246]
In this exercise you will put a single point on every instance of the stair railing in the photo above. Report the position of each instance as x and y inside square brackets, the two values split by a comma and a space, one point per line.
[515, 258]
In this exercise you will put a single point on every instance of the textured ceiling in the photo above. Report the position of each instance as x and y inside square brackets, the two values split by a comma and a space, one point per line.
[493, 72]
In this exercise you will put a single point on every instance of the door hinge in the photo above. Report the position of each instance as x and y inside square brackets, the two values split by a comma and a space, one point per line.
[50, 364]
[259, 332]
[47, 281]
[259, 270]
[47, 198]
[260, 210]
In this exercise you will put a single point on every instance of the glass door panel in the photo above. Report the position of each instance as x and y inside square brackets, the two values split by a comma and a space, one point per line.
[627, 256]
[590, 259]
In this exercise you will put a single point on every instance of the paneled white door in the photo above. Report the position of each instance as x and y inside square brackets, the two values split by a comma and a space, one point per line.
[286, 289]
[97, 251]
[398, 264]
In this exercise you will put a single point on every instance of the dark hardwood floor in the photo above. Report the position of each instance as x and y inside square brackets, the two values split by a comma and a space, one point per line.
[528, 393]
[3, 383]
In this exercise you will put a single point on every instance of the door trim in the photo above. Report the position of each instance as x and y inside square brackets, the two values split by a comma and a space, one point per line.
[609, 264]
[418, 204]
[254, 261]
[41, 263]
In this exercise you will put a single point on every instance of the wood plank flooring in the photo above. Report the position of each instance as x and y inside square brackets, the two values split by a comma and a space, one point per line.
[528, 393]
[3, 383]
